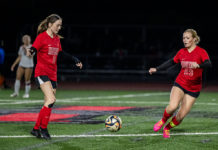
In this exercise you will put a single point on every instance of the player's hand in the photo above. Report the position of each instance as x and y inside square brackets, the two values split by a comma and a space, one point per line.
[28, 53]
[195, 65]
[80, 65]
[152, 70]
[12, 68]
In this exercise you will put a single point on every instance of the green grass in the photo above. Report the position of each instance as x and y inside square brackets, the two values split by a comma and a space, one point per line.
[203, 118]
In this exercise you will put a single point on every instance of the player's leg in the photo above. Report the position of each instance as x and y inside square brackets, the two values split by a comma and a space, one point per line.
[45, 112]
[50, 99]
[19, 75]
[175, 98]
[185, 107]
[28, 74]
[48, 88]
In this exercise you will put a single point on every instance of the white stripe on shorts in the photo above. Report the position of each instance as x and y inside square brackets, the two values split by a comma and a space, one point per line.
[40, 80]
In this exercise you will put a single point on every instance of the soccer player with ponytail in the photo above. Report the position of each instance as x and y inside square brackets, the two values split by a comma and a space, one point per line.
[187, 86]
[47, 47]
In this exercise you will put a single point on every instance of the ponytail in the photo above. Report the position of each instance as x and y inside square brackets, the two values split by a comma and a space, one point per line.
[43, 26]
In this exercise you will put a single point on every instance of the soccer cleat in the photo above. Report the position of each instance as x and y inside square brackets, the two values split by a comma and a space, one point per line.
[158, 125]
[166, 133]
[26, 96]
[45, 134]
[36, 133]
[14, 95]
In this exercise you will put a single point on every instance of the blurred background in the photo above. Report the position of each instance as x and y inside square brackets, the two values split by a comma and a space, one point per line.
[115, 40]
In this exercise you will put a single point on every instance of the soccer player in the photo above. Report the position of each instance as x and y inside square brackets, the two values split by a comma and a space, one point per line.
[25, 67]
[47, 46]
[187, 86]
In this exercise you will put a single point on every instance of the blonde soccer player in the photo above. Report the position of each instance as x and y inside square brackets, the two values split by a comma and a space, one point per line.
[188, 84]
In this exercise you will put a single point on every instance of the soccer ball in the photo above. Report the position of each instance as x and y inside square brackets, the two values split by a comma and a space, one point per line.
[113, 123]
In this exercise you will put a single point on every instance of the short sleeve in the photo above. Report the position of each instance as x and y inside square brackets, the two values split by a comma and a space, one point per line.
[20, 51]
[37, 43]
[176, 58]
[204, 56]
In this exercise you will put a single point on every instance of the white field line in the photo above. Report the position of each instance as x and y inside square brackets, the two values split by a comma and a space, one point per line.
[156, 102]
[115, 102]
[102, 98]
[20, 101]
[110, 135]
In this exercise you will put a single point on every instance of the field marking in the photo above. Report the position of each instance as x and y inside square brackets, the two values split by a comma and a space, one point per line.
[21, 101]
[157, 102]
[109, 135]
[95, 98]
[102, 101]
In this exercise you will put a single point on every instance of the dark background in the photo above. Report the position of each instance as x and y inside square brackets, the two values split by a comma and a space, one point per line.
[150, 31]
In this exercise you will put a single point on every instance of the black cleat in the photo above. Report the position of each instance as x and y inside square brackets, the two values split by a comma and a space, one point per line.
[36, 133]
[45, 134]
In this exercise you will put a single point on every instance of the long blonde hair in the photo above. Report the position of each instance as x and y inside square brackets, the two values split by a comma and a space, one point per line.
[194, 35]
[43, 26]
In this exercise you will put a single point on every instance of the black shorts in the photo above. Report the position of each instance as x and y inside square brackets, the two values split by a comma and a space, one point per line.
[193, 94]
[42, 79]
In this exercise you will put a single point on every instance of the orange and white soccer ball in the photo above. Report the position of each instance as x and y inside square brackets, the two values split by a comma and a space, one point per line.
[113, 123]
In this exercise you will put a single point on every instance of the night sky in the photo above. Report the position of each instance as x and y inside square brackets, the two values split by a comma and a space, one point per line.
[200, 16]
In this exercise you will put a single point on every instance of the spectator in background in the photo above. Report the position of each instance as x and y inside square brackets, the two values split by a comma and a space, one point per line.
[2, 58]
[2, 70]
[25, 67]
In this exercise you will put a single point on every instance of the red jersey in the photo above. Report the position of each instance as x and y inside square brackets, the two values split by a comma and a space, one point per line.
[47, 52]
[189, 78]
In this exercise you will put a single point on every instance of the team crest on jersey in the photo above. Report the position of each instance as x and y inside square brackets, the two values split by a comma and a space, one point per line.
[187, 65]
[53, 50]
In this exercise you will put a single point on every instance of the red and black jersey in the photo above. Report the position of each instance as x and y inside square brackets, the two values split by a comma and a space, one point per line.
[189, 78]
[47, 52]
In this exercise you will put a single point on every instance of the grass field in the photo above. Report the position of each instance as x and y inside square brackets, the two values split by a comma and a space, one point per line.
[86, 131]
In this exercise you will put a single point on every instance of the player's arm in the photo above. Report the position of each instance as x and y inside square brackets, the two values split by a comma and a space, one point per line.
[64, 55]
[31, 51]
[163, 66]
[16, 62]
[166, 64]
[206, 64]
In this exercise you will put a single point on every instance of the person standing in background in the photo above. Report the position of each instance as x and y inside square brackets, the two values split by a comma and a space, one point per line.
[25, 67]
[2, 66]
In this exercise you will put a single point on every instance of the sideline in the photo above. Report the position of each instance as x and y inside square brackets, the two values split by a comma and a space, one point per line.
[110, 135]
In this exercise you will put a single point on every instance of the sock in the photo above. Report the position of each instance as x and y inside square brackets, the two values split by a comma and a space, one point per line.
[172, 123]
[39, 119]
[17, 87]
[27, 87]
[45, 117]
[166, 116]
